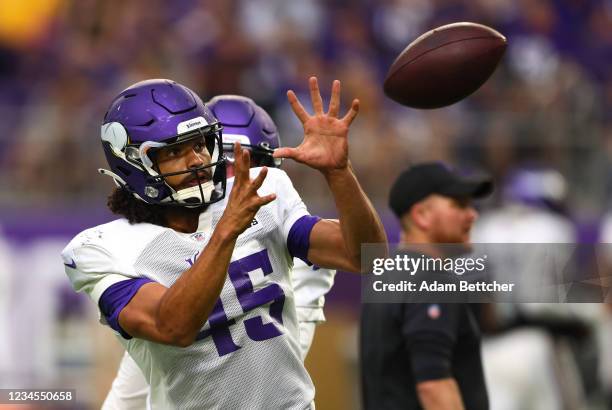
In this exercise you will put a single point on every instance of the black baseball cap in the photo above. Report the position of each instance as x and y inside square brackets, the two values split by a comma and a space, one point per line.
[419, 181]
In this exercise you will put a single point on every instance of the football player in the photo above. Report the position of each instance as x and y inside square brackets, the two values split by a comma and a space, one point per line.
[196, 282]
[245, 122]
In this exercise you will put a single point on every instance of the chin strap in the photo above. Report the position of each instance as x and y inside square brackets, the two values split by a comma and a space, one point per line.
[118, 180]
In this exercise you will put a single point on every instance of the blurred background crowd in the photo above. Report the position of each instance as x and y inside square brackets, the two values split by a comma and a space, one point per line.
[542, 126]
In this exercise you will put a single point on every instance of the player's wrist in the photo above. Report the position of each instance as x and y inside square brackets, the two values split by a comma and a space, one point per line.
[226, 231]
[335, 175]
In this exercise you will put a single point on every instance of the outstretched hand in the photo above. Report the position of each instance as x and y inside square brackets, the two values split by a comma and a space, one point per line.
[244, 202]
[325, 144]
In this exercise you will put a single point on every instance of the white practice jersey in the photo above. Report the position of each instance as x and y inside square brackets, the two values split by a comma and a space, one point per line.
[247, 354]
[130, 390]
[310, 285]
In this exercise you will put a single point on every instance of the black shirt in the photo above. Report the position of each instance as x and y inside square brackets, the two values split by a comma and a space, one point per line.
[404, 344]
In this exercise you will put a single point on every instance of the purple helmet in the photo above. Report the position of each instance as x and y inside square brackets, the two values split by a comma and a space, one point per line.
[153, 114]
[248, 123]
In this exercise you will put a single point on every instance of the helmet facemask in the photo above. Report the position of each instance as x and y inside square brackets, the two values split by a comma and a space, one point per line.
[261, 154]
[209, 179]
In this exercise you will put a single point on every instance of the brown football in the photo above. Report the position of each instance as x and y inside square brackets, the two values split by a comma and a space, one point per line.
[444, 65]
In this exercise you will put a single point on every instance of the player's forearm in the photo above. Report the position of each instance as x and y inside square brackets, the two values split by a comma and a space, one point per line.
[359, 221]
[187, 304]
[441, 394]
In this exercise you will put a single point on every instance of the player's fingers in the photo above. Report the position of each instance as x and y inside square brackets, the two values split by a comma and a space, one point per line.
[237, 161]
[259, 179]
[334, 102]
[285, 152]
[246, 162]
[352, 113]
[297, 107]
[240, 168]
[315, 95]
[266, 199]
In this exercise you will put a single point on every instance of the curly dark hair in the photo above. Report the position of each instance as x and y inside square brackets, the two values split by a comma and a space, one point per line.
[122, 202]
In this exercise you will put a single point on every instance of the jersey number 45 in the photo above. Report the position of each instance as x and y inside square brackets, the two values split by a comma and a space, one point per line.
[249, 299]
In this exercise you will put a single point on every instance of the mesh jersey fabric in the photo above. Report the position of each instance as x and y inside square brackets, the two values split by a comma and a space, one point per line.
[248, 352]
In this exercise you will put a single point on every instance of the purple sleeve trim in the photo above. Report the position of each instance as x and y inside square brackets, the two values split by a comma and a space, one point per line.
[298, 240]
[114, 299]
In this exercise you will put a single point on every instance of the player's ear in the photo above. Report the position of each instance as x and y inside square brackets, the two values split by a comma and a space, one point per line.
[420, 215]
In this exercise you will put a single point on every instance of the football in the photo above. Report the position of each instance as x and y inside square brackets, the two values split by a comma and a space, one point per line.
[444, 65]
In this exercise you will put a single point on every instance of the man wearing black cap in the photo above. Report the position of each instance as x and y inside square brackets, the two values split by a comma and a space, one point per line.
[426, 355]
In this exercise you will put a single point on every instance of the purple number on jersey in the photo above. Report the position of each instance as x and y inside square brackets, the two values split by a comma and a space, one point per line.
[219, 330]
[249, 299]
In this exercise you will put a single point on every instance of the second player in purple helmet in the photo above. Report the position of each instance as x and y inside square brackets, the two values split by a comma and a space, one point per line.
[245, 122]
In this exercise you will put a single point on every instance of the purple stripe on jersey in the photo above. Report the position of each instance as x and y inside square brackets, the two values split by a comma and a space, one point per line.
[298, 241]
[114, 299]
